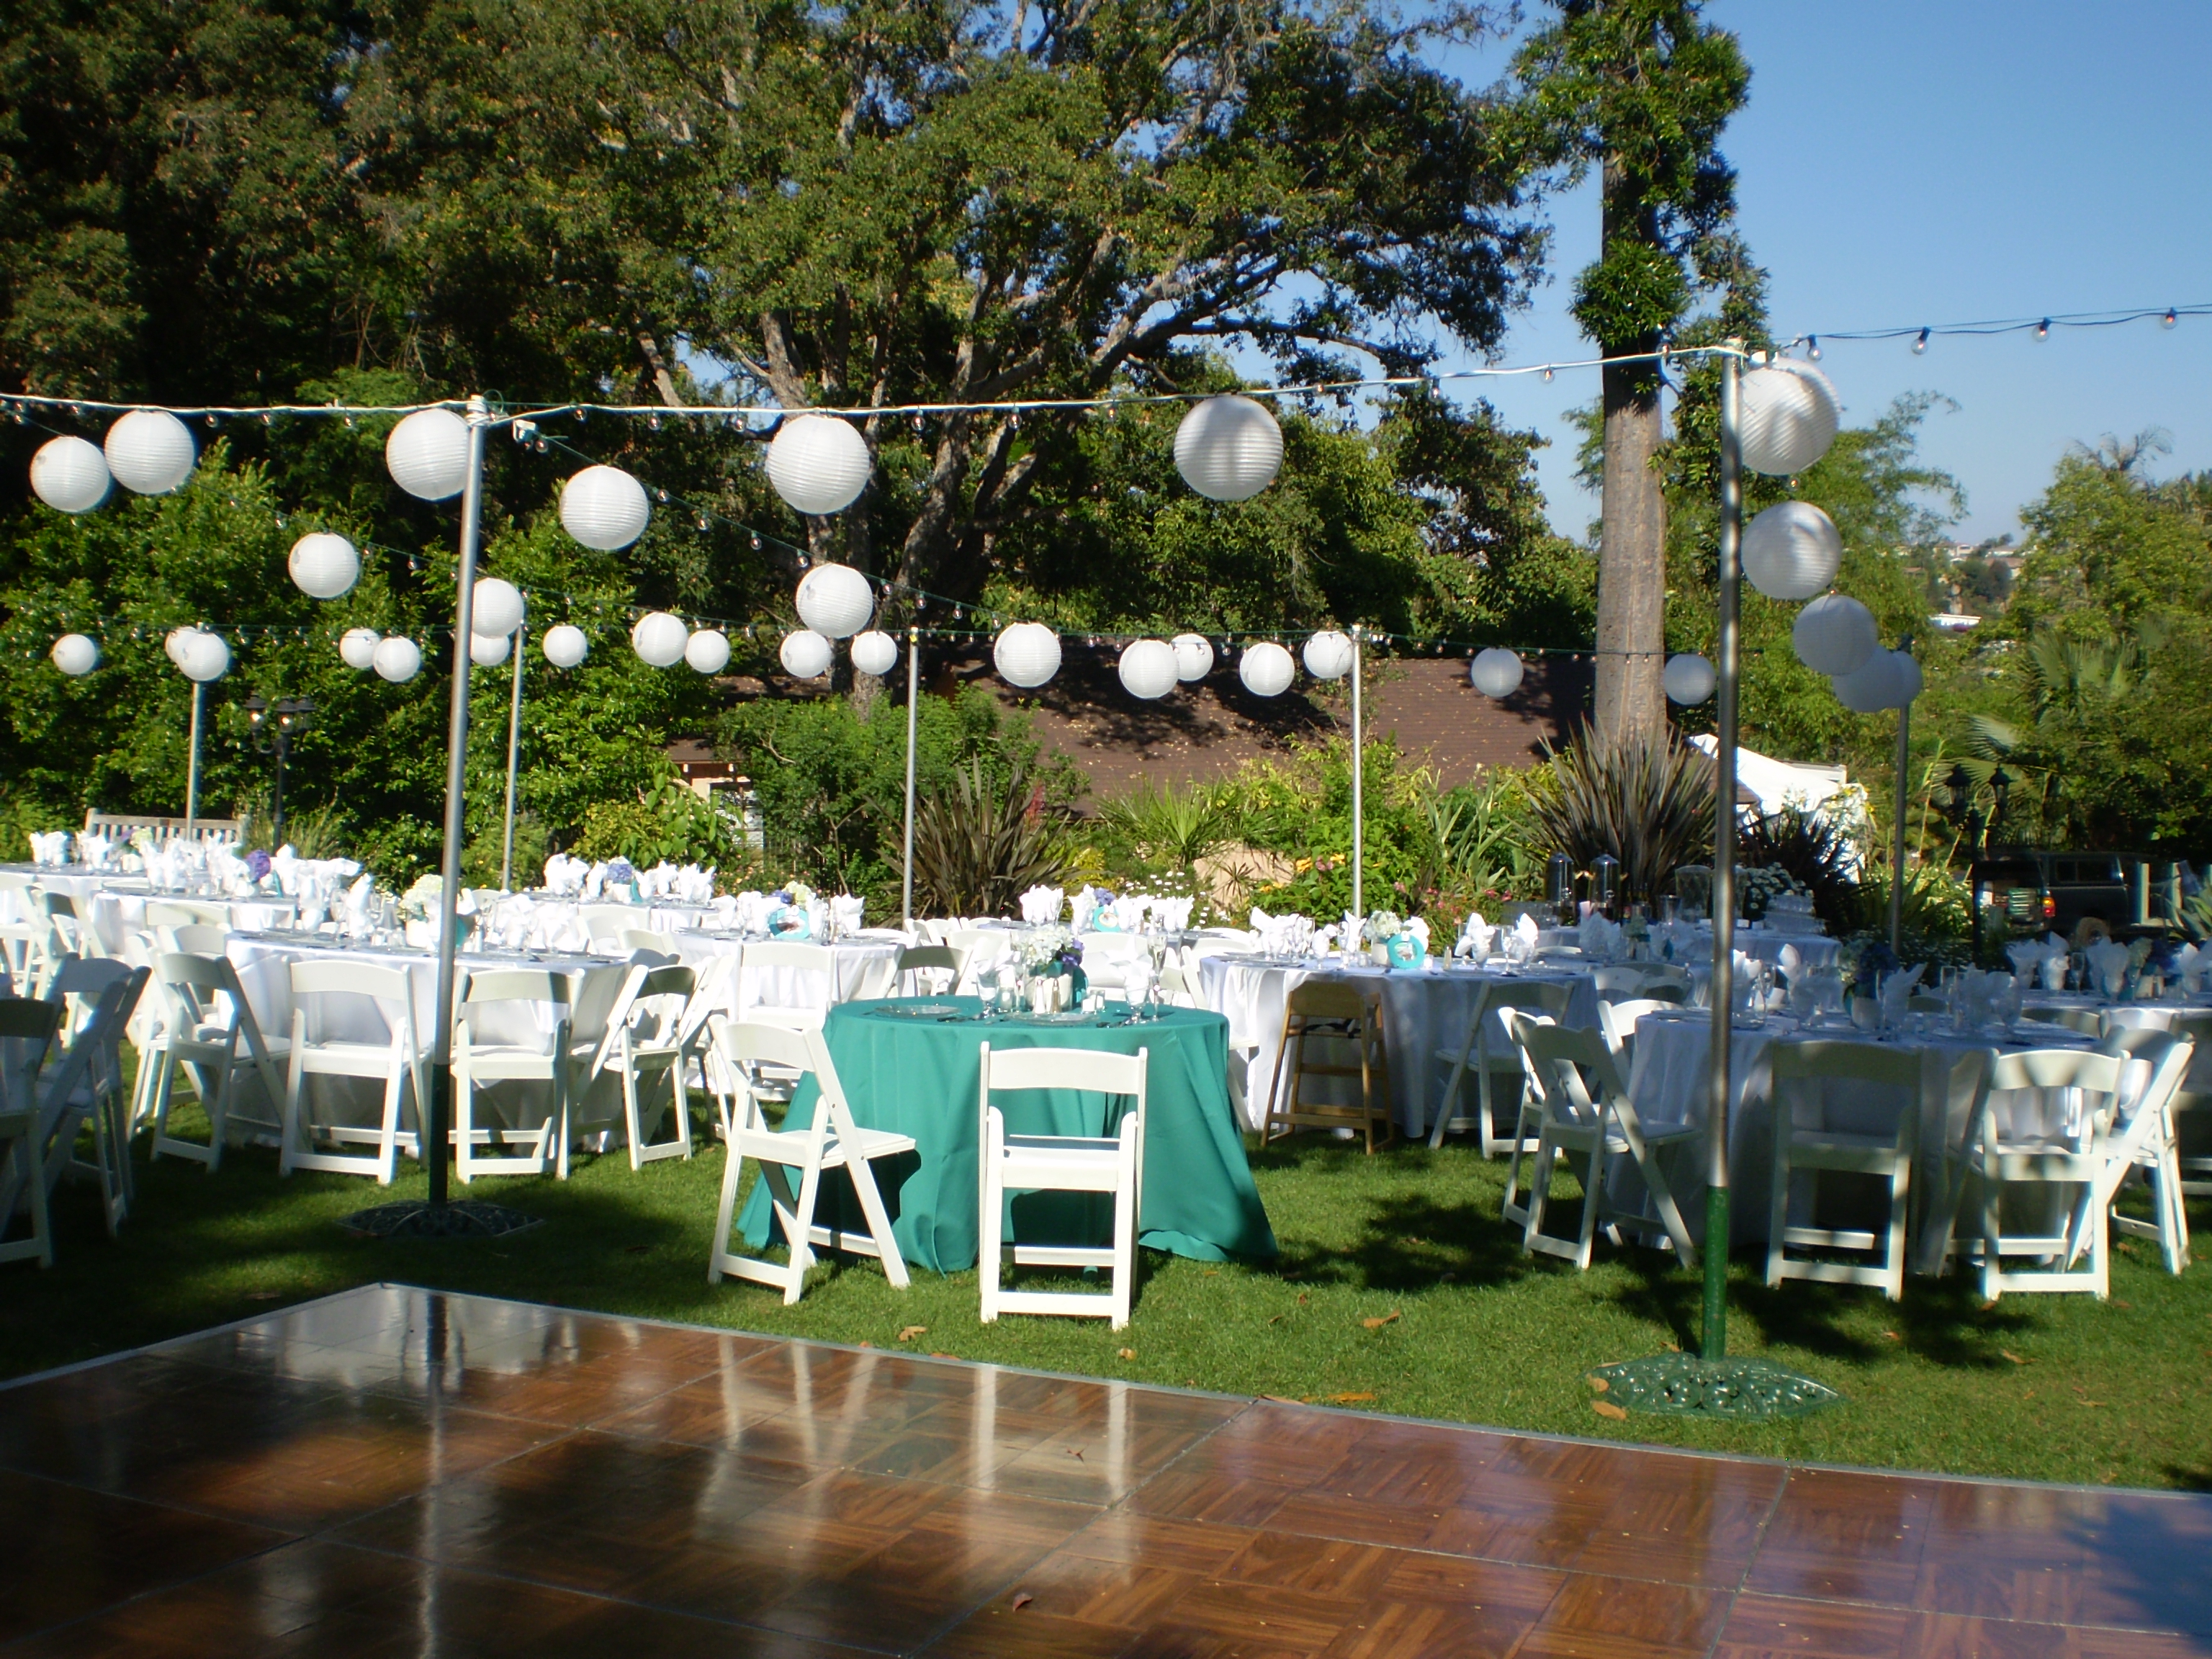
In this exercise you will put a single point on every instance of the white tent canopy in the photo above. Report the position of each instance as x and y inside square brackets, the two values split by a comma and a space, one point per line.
[1825, 789]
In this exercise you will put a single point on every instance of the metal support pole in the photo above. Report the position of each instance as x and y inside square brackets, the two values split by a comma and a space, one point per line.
[1358, 792]
[513, 756]
[913, 706]
[1897, 841]
[276, 808]
[1715, 1343]
[193, 766]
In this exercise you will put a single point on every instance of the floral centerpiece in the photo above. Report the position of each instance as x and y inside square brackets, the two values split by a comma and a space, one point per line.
[1866, 966]
[420, 902]
[621, 874]
[1390, 942]
[1053, 953]
[793, 915]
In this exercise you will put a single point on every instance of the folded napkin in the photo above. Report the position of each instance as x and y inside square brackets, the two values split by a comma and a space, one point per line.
[1173, 913]
[1129, 913]
[2109, 962]
[753, 911]
[846, 909]
[1083, 908]
[1041, 906]
[1598, 937]
[1325, 939]
[1526, 930]
[1475, 936]
[94, 850]
[2189, 963]
[1897, 992]
[1418, 927]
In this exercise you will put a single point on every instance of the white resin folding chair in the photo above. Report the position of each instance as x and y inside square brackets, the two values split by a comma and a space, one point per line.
[26, 1032]
[2142, 1140]
[193, 939]
[1061, 1163]
[1582, 1110]
[212, 1037]
[482, 1058]
[609, 921]
[1179, 986]
[1616, 1022]
[85, 990]
[1803, 1143]
[785, 968]
[76, 984]
[916, 960]
[323, 993]
[185, 913]
[2089, 1022]
[833, 1141]
[1483, 1053]
[2195, 1025]
[649, 1044]
[69, 934]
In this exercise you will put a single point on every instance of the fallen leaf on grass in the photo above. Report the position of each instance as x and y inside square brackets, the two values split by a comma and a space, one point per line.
[1893, 1336]
[1022, 1599]
[1348, 1399]
[2015, 1357]
[939, 1353]
[1126, 1354]
[1598, 1382]
[1607, 1409]
[912, 1332]
[867, 1345]
[1301, 1298]
[2115, 1302]
[1211, 1273]
[1376, 1323]
[1284, 1399]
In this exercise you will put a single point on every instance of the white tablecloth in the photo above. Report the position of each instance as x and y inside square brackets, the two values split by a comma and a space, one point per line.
[863, 967]
[1422, 1012]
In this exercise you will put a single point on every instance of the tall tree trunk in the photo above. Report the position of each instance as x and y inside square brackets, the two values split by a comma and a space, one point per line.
[1631, 583]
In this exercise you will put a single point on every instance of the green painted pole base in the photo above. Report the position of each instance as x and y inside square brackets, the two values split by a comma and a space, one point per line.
[1715, 1346]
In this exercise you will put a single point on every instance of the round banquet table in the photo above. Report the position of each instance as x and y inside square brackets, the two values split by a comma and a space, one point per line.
[861, 968]
[919, 1075]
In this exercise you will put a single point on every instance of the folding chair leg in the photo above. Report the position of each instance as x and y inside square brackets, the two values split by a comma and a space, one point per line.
[990, 1228]
[1125, 1229]
[879, 1221]
[1777, 1212]
[798, 1227]
[1444, 1107]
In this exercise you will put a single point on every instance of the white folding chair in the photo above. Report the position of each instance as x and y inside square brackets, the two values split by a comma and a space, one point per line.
[609, 921]
[193, 939]
[802, 1000]
[209, 1020]
[1179, 986]
[2142, 1140]
[1616, 1022]
[482, 1058]
[644, 938]
[915, 960]
[98, 997]
[26, 1032]
[1583, 1110]
[185, 913]
[69, 934]
[2196, 1025]
[324, 993]
[1482, 1052]
[1061, 1163]
[76, 984]
[650, 1041]
[833, 1141]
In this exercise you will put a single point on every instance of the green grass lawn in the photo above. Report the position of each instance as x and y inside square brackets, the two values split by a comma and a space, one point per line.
[2053, 1388]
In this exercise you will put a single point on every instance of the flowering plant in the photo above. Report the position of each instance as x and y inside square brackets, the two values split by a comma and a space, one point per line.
[419, 902]
[621, 871]
[257, 865]
[1381, 927]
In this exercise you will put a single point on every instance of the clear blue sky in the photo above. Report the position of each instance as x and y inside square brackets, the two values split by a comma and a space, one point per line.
[1947, 161]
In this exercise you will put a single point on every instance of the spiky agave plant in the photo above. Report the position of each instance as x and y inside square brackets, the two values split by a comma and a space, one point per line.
[981, 843]
[1812, 847]
[1178, 827]
[1647, 802]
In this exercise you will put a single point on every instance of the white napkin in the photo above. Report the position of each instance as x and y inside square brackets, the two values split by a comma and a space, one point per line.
[1475, 937]
[1261, 920]
[1526, 930]
[1041, 906]
[1897, 991]
[1787, 962]
[94, 850]
[2053, 969]
[753, 911]
[2110, 962]
[2026, 955]
[1129, 912]
[1325, 939]
[725, 911]
[848, 910]
[1418, 927]
[1173, 913]
[1083, 908]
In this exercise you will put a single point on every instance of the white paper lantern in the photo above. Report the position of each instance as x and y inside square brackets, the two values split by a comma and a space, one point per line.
[179, 644]
[398, 659]
[1834, 635]
[151, 451]
[1328, 655]
[69, 475]
[660, 639]
[874, 653]
[836, 600]
[1787, 414]
[818, 462]
[565, 645]
[1228, 449]
[1791, 551]
[1688, 680]
[1026, 655]
[1148, 669]
[1910, 680]
[1265, 669]
[325, 566]
[75, 655]
[603, 506]
[707, 651]
[487, 650]
[206, 658]
[1193, 656]
[358, 646]
[497, 609]
[1496, 672]
[1875, 686]
[806, 654]
[428, 454]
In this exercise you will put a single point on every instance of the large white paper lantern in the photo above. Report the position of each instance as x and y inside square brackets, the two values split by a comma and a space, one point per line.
[603, 506]
[707, 651]
[1496, 672]
[496, 608]
[659, 639]
[1265, 669]
[818, 463]
[1873, 686]
[1193, 656]
[1148, 669]
[178, 643]
[836, 600]
[804, 654]
[488, 650]
[1910, 680]
[325, 566]
[565, 645]
[398, 659]
[1791, 551]
[874, 653]
[428, 454]
[1688, 678]
[206, 657]
[1328, 655]
[357, 646]
[1026, 655]
[76, 654]
[69, 475]
[1228, 449]
[1787, 414]
[1834, 635]
[151, 451]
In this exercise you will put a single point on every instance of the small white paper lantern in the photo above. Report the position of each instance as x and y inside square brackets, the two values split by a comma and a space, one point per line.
[1873, 686]
[151, 451]
[428, 454]
[1328, 655]
[1834, 635]
[1228, 449]
[398, 659]
[1688, 680]
[565, 645]
[804, 654]
[75, 654]
[69, 475]
[488, 650]
[179, 644]
[1193, 656]
[206, 657]
[358, 646]
[1148, 669]
[1788, 413]
[874, 653]
[1026, 655]
[325, 566]
[1496, 672]
[603, 506]
[497, 609]
[659, 639]
[836, 600]
[1910, 680]
[707, 651]
[1265, 669]
[818, 463]
[1791, 551]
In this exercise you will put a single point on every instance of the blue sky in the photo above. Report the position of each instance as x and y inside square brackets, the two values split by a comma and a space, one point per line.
[1947, 161]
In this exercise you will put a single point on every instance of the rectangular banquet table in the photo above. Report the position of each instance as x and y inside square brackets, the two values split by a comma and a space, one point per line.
[918, 1076]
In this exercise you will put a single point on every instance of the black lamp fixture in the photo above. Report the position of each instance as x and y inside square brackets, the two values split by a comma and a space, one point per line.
[273, 726]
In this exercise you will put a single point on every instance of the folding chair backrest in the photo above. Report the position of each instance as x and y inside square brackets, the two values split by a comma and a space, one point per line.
[387, 987]
[2056, 1068]
[608, 921]
[740, 1044]
[932, 959]
[642, 938]
[1547, 997]
[519, 985]
[645, 955]
[194, 939]
[1573, 1069]
[2087, 1021]
[26, 1032]
[176, 912]
[2157, 1062]
[1619, 979]
[1089, 1070]
[1326, 998]
[193, 984]
[55, 904]
[658, 1002]
[785, 953]
[1617, 1020]
[85, 976]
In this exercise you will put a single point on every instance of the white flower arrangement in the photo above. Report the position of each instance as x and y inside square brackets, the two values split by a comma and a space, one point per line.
[1040, 945]
[1382, 927]
[420, 902]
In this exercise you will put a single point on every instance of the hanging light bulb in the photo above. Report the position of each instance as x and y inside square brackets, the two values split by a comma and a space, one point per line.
[1920, 345]
[1812, 347]
[2043, 328]
[2170, 318]
[1547, 371]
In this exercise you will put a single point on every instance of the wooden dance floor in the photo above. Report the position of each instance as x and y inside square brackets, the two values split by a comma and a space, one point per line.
[392, 1471]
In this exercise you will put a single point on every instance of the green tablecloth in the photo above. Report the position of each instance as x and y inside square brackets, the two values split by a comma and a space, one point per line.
[918, 1078]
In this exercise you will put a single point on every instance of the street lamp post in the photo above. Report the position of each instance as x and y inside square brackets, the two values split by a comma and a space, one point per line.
[273, 726]
[1963, 810]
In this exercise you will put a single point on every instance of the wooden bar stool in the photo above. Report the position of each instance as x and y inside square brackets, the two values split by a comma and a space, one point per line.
[1324, 1010]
